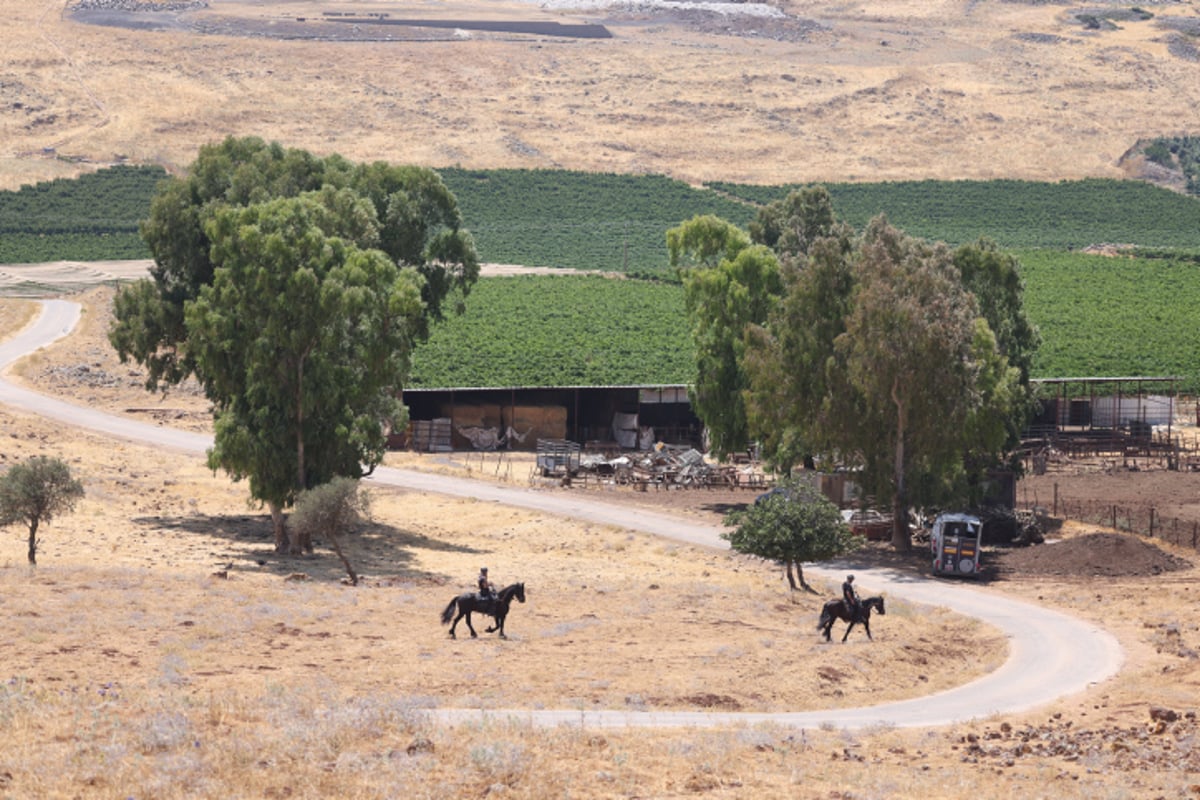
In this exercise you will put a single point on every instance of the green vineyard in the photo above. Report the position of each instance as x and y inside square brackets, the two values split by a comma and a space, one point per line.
[1127, 315]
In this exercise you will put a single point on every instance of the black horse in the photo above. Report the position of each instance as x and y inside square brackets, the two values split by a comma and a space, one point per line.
[836, 609]
[497, 608]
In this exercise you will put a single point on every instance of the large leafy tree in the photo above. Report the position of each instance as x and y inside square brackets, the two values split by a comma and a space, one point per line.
[730, 285]
[905, 382]
[35, 492]
[881, 355]
[293, 288]
[301, 341]
[732, 281]
[994, 277]
[792, 524]
[786, 359]
[148, 315]
[417, 223]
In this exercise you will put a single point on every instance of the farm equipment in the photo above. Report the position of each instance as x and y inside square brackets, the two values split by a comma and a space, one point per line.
[558, 457]
[955, 542]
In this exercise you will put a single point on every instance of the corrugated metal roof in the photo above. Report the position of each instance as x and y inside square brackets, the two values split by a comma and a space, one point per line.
[547, 388]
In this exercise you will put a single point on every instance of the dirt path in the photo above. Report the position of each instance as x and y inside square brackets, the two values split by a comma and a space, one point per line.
[1051, 654]
[54, 278]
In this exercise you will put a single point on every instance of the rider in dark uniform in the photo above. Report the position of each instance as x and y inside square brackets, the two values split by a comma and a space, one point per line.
[486, 590]
[850, 596]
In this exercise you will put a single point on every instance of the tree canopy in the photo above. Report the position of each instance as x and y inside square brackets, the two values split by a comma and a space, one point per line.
[301, 341]
[416, 222]
[731, 285]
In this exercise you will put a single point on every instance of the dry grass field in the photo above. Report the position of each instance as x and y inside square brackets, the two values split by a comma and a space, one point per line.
[861, 91]
[161, 649]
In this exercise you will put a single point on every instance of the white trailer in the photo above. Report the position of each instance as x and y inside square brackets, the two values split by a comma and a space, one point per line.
[955, 542]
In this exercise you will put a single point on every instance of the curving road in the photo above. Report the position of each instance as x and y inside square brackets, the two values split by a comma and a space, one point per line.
[1051, 654]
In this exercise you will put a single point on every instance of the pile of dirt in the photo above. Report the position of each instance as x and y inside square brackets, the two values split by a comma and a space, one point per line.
[1094, 554]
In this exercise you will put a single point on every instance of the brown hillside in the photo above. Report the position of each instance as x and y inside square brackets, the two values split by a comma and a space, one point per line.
[814, 91]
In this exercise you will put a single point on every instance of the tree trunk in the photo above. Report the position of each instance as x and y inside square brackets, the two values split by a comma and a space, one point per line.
[300, 543]
[337, 548]
[798, 582]
[803, 583]
[901, 540]
[280, 527]
[787, 568]
[33, 526]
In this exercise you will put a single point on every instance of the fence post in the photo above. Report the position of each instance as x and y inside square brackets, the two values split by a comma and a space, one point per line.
[1152, 522]
[1114, 518]
[1055, 513]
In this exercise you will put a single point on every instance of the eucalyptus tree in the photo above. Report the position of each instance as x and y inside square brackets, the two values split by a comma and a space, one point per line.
[912, 373]
[731, 285]
[293, 289]
[301, 342]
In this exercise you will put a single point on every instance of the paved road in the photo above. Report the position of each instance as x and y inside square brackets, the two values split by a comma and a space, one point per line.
[1051, 654]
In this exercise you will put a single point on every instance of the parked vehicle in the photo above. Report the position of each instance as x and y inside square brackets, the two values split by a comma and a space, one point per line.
[869, 523]
[955, 542]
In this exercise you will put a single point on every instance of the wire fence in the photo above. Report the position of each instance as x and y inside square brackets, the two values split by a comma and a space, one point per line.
[1142, 520]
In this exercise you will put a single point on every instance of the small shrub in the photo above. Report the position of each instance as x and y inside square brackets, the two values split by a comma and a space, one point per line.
[1158, 152]
[332, 509]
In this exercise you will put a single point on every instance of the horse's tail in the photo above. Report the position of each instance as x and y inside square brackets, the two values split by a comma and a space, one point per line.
[826, 618]
[448, 614]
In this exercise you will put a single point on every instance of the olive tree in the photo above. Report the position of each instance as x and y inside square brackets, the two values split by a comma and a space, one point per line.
[35, 492]
[333, 510]
[791, 524]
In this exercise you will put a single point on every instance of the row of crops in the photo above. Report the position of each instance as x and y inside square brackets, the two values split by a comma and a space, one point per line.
[585, 221]
[1016, 214]
[580, 220]
[93, 217]
[1098, 315]
[574, 330]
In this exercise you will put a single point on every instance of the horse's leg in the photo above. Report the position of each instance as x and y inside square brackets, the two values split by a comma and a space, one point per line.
[500, 626]
[471, 627]
[454, 625]
[847, 633]
[867, 628]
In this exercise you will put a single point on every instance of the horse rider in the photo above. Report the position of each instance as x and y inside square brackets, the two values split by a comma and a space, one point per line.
[487, 591]
[850, 596]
